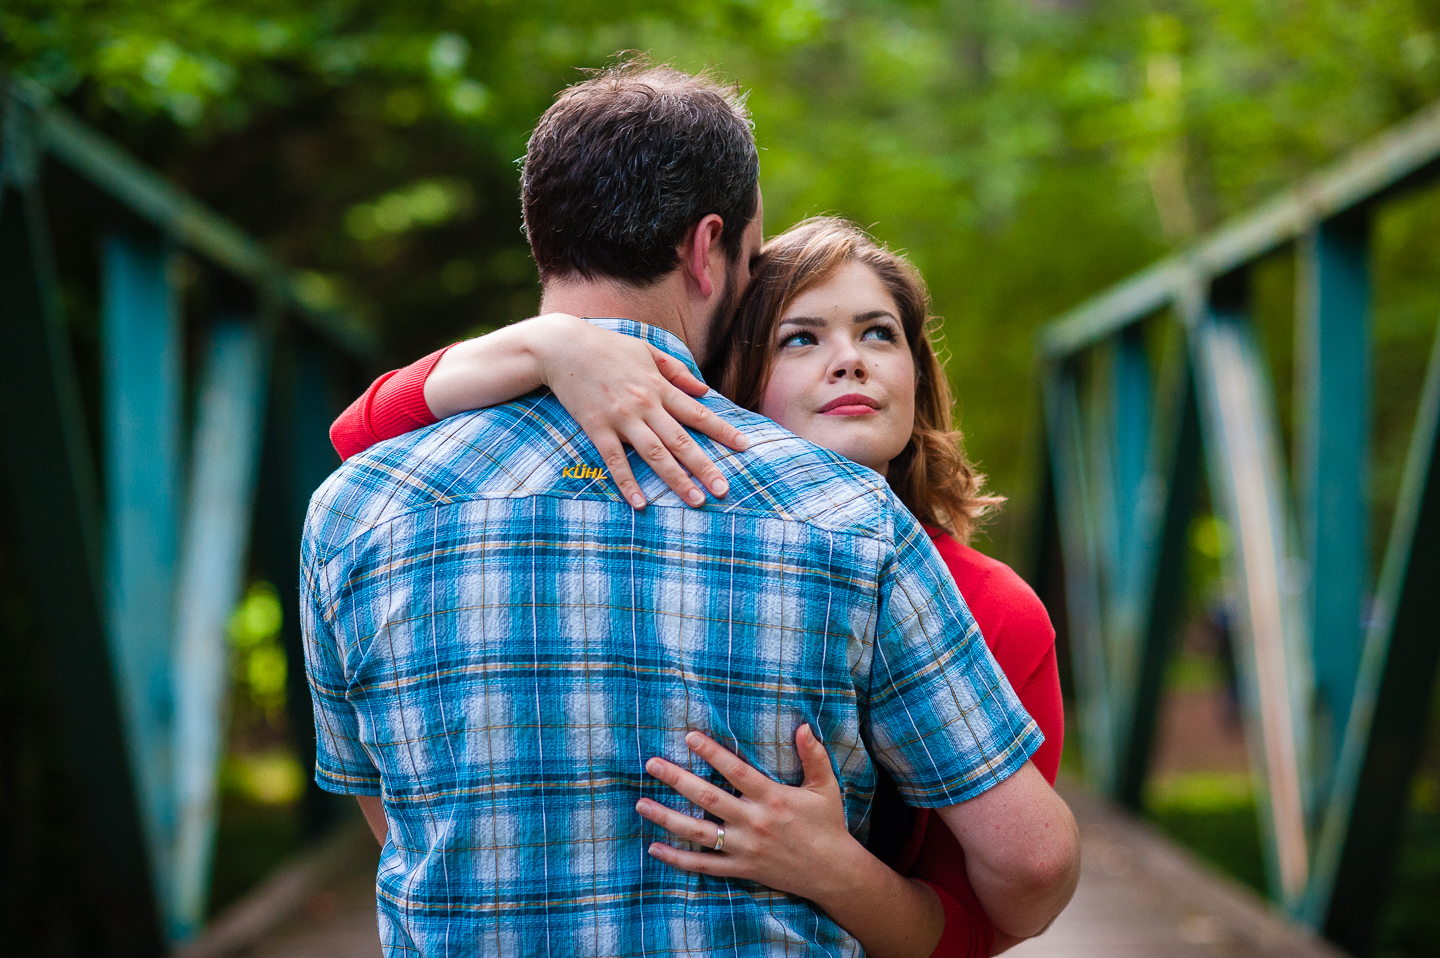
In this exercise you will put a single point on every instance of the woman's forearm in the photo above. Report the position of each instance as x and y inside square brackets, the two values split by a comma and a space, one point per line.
[890, 915]
[490, 369]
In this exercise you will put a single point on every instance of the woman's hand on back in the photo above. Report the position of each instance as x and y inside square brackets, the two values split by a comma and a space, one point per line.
[792, 838]
[620, 389]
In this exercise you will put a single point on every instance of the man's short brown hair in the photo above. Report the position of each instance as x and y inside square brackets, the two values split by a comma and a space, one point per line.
[623, 164]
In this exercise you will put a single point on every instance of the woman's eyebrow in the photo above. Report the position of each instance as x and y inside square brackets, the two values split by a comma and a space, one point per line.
[875, 314]
[807, 322]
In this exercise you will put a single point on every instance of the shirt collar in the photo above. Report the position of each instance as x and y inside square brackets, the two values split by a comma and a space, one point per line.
[662, 340]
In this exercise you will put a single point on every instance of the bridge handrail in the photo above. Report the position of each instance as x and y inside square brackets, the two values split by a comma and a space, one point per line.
[134, 578]
[178, 214]
[1408, 151]
[1336, 663]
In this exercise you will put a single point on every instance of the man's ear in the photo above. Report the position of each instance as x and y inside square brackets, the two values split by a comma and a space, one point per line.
[702, 240]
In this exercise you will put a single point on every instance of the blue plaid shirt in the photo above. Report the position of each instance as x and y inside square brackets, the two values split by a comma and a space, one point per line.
[497, 642]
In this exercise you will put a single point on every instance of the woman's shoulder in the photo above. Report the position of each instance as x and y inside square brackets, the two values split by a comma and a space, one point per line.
[1010, 615]
[970, 566]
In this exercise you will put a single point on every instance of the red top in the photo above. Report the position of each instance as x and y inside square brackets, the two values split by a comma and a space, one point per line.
[1017, 629]
[1011, 617]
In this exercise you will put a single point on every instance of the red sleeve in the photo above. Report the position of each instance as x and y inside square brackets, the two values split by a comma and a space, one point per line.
[392, 406]
[968, 932]
[1041, 697]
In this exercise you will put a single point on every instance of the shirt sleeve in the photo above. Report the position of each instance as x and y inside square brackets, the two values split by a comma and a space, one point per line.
[943, 718]
[392, 406]
[341, 762]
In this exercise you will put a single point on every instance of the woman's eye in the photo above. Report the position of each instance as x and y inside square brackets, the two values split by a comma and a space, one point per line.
[798, 339]
[882, 333]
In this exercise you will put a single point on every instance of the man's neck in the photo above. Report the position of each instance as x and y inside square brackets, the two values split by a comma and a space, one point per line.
[661, 305]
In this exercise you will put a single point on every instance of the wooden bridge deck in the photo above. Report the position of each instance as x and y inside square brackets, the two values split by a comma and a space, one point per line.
[1140, 897]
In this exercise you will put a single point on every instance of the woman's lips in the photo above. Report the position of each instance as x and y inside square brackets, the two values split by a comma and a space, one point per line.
[852, 404]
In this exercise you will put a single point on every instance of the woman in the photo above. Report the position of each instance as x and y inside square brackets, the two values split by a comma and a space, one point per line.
[828, 309]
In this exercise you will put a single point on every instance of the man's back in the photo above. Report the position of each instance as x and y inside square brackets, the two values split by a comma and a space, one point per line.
[495, 635]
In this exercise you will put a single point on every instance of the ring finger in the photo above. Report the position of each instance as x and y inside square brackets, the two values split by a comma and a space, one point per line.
[698, 830]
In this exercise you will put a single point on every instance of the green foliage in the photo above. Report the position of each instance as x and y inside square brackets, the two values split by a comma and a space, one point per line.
[257, 660]
[1212, 813]
[1025, 152]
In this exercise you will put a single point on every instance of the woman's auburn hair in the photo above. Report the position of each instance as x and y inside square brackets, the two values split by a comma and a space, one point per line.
[932, 475]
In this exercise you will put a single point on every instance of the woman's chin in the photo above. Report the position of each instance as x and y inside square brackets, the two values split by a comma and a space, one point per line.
[867, 454]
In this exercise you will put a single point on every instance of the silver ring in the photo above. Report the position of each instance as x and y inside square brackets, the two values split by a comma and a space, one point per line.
[719, 837]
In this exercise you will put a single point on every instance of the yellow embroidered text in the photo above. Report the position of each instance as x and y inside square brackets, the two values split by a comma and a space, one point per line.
[583, 472]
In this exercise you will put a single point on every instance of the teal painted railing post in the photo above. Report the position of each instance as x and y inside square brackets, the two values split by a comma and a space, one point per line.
[1332, 406]
[1131, 388]
[1081, 555]
[142, 388]
[1396, 680]
[296, 460]
[1128, 520]
[314, 407]
[1163, 505]
[229, 420]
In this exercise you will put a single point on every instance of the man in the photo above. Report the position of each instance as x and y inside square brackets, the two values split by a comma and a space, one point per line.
[497, 641]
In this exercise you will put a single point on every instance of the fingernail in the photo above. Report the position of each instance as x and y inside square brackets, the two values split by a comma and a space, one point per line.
[742, 442]
[694, 740]
[653, 766]
[695, 497]
[720, 487]
[638, 501]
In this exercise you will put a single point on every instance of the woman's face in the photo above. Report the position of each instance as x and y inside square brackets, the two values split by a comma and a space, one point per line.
[843, 376]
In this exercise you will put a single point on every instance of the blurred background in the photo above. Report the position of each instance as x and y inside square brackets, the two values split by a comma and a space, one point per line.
[1025, 153]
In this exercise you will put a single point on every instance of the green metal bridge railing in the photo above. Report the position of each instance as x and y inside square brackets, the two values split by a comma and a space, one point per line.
[1144, 380]
[135, 566]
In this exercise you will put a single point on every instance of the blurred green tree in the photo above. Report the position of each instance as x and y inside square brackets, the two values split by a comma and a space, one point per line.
[1025, 152]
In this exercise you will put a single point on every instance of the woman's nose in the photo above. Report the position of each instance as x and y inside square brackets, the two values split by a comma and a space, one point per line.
[851, 367]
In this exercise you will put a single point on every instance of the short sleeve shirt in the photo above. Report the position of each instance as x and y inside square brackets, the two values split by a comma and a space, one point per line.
[497, 642]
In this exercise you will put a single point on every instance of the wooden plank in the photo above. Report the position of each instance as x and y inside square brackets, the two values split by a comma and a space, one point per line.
[140, 335]
[1246, 477]
[53, 504]
[1396, 680]
[348, 848]
[1332, 406]
[225, 457]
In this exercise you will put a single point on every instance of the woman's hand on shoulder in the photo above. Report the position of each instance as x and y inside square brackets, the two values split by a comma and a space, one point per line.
[621, 390]
[625, 392]
[790, 838]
